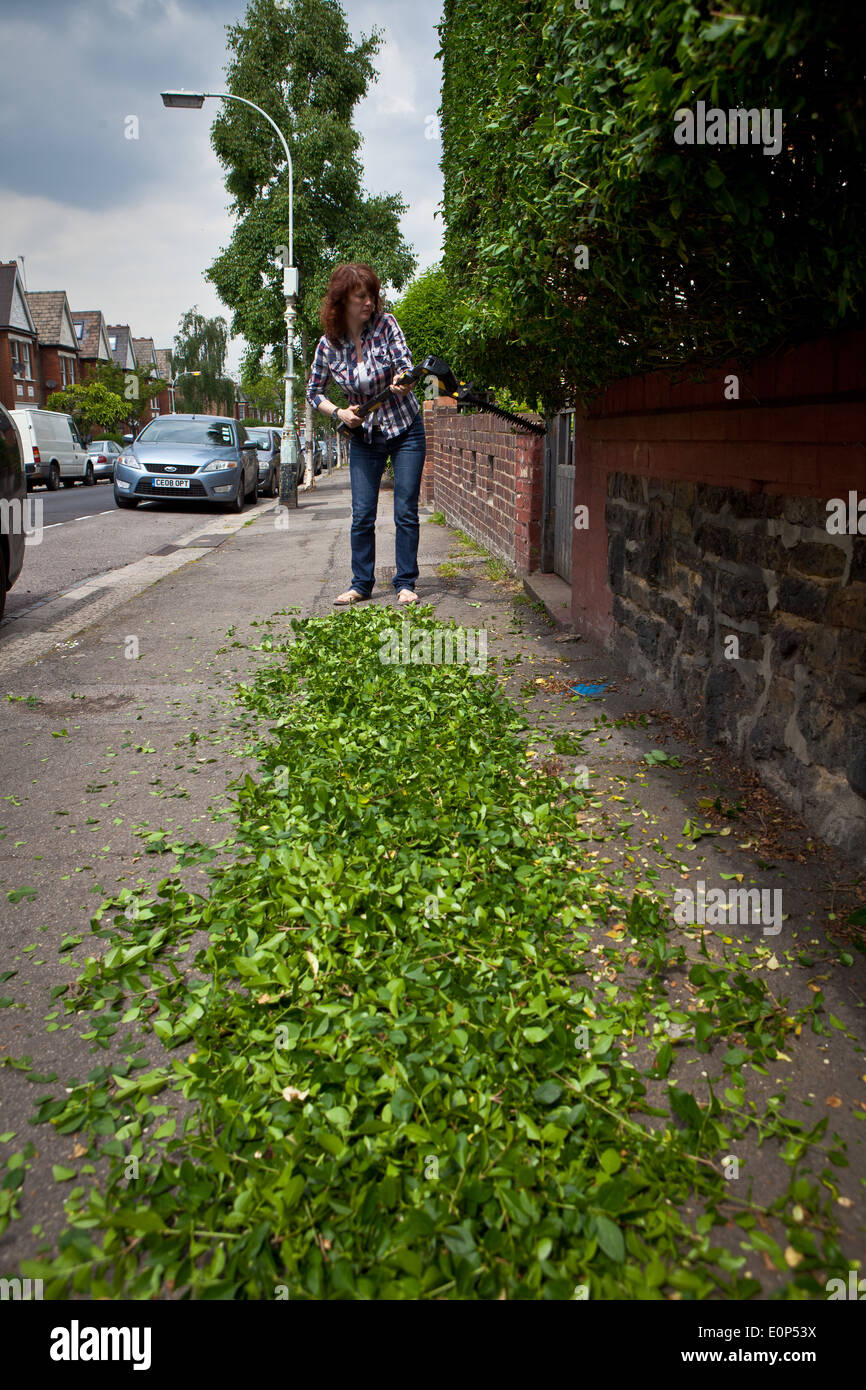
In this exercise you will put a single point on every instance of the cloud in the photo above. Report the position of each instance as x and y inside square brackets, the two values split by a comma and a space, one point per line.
[148, 285]
[394, 92]
[128, 225]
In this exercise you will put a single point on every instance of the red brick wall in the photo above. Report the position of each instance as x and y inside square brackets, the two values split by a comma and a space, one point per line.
[486, 476]
[8, 395]
[49, 363]
[797, 429]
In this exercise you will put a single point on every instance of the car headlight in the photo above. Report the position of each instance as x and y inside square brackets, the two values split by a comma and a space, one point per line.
[130, 461]
[218, 466]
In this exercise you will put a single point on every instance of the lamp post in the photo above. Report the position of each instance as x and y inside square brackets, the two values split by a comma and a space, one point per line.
[288, 446]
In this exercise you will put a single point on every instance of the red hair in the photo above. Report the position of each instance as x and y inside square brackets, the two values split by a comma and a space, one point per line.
[353, 275]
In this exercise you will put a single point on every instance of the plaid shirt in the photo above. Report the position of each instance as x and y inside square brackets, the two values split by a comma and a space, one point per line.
[384, 354]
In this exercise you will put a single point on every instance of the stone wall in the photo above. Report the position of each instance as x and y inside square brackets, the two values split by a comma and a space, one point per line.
[753, 619]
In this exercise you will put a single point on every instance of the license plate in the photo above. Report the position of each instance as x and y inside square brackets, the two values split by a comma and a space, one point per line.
[171, 482]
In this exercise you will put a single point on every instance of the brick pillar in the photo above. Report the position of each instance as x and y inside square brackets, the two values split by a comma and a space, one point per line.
[427, 476]
[591, 598]
[529, 487]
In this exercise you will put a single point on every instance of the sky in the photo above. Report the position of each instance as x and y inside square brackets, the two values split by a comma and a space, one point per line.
[129, 225]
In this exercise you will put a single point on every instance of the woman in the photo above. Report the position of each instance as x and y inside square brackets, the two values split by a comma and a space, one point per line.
[362, 350]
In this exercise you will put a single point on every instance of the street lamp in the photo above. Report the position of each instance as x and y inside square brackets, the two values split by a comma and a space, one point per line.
[288, 446]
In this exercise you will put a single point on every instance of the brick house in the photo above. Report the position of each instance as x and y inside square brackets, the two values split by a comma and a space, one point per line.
[145, 356]
[58, 344]
[91, 333]
[165, 399]
[246, 409]
[120, 344]
[19, 349]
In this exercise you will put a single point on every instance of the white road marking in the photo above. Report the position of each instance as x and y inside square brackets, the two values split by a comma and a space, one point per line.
[117, 587]
[112, 511]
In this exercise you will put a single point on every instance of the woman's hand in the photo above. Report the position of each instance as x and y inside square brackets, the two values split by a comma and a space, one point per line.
[350, 417]
[402, 390]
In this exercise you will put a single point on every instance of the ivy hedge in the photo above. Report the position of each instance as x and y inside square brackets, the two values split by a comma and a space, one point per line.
[396, 1064]
[558, 127]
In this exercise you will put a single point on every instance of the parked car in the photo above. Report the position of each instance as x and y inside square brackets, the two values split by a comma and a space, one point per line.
[188, 458]
[54, 451]
[13, 501]
[267, 443]
[318, 457]
[103, 455]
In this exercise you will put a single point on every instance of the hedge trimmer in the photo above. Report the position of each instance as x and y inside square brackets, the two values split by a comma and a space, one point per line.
[462, 391]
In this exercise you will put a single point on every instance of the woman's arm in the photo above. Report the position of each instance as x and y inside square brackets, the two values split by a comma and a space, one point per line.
[400, 354]
[320, 375]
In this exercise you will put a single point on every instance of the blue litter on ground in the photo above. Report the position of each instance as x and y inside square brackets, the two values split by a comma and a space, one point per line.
[590, 689]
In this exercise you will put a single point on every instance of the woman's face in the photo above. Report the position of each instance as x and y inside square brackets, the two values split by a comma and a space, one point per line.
[359, 306]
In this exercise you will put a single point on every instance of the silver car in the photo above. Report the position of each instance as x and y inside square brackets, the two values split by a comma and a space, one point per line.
[267, 442]
[188, 458]
[102, 455]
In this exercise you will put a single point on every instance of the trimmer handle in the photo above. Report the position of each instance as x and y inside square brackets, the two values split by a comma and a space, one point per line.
[409, 374]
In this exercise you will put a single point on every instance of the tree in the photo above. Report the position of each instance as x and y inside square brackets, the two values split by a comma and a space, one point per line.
[199, 364]
[263, 384]
[590, 239]
[297, 61]
[430, 317]
[91, 405]
[136, 388]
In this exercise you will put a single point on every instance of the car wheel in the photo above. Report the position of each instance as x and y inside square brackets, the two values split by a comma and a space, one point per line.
[53, 478]
[236, 505]
[274, 484]
[126, 504]
[89, 477]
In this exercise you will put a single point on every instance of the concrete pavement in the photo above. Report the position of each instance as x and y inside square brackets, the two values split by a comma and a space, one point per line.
[117, 722]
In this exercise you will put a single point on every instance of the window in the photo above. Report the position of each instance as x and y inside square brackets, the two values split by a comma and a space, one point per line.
[20, 358]
[112, 341]
[169, 430]
[79, 329]
[76, 437]
[67, 372]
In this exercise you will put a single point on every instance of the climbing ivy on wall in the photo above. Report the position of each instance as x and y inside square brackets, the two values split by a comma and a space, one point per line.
[559, 132]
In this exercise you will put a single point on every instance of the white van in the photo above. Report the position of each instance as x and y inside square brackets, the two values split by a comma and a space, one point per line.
[54, 451]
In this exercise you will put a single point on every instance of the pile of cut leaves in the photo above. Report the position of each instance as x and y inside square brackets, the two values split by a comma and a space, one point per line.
[393, 1070]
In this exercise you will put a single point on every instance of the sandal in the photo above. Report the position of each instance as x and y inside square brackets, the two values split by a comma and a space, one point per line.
[407, 596]
[350, 596]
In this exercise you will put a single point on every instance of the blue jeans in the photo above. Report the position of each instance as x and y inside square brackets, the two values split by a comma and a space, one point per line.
[366, 465]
